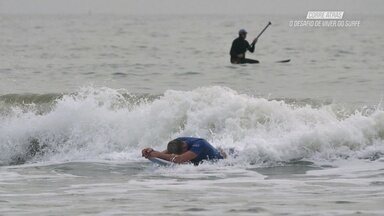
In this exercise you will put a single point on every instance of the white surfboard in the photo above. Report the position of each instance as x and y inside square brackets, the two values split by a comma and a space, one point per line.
[160, 162]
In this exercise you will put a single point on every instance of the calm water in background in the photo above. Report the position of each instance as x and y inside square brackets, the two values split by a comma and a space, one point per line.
[81, 95]
[151, 54]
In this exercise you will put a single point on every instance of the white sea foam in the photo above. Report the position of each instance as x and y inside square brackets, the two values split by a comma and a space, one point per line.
[100, 123]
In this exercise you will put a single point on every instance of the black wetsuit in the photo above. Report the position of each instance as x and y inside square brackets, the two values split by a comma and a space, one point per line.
[240, 46]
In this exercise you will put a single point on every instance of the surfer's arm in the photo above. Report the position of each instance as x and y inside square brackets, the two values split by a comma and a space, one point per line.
[186, 157]
[147, 151]
[251, 47]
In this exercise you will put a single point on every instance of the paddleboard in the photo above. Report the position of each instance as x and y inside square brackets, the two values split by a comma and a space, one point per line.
[160, 162]
[284, 61]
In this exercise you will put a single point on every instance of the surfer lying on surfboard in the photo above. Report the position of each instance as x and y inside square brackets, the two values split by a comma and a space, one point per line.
[186, 149]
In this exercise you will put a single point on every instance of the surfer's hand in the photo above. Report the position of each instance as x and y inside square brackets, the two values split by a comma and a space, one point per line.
[146, 152]
[240, 55]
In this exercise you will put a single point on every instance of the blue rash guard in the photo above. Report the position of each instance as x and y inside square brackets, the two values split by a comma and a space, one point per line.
[201, 148]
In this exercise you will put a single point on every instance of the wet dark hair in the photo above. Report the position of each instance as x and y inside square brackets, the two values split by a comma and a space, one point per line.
[175, 146]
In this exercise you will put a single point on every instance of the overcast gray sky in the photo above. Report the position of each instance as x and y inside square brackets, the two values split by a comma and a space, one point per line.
[188, 6]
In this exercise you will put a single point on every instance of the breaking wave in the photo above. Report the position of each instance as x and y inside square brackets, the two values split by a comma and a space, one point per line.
[110, 124]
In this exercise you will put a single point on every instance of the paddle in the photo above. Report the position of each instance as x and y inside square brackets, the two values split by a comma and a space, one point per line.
[269, 23]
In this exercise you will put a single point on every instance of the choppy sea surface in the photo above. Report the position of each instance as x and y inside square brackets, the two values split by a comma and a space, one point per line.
[81, 95]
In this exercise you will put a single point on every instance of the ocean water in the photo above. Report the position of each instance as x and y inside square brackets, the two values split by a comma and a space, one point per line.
[81, 95]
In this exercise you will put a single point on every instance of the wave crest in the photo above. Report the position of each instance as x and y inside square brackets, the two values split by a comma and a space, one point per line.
[104, 123]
